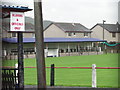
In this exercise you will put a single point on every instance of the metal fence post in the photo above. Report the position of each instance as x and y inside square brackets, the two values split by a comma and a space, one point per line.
[16, 74]
[52, 75]
[94, 84]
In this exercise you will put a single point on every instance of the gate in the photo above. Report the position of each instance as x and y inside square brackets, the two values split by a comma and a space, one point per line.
[9, 78]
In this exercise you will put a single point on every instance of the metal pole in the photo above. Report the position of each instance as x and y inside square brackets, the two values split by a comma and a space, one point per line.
[52, 75]
[104, 33]
[103, 28]
[94, 82]
[41, 75]
[20, 61]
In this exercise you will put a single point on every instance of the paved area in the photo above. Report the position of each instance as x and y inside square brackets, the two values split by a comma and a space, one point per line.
[53, 87]
[34, 87]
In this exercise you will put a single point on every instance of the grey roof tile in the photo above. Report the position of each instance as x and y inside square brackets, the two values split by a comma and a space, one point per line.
[72, 27]
[112, 27]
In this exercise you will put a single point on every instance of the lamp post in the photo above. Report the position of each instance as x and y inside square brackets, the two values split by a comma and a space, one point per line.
[104, 36]
[103, 28]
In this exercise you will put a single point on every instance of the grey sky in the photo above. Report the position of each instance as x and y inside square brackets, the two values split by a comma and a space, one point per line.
[86, 12]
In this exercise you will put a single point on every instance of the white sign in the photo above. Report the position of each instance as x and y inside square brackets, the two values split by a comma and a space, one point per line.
[17, 21]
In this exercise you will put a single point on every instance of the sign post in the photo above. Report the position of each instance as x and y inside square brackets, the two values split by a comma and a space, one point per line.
[17, 25]
[20, 61]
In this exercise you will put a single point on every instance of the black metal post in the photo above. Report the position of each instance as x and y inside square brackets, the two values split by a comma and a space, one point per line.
[52, 75]
[20, 61]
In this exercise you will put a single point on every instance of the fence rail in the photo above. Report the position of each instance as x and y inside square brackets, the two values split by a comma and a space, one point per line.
[72, 67]
[9, 78]
[93, 68]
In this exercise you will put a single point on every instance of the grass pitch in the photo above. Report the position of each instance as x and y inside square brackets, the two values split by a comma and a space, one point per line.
[75, 77]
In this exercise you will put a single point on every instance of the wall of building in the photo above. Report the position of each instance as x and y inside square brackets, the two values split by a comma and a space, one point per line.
[118, 37]
[98, 33]
[54, 31]
[6, 34]
[28, 35]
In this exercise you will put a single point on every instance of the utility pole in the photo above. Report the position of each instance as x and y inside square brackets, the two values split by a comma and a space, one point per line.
[0, 47]
[103, 29]
[41, 74]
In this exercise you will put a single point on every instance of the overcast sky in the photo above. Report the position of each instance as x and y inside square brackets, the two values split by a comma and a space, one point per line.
[86, 12]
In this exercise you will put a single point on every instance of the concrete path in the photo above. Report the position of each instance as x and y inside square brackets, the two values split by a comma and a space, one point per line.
[51, 87]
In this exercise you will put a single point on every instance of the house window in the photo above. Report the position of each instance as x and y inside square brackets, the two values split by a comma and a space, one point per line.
[74, 34]
[113, 35]
[85, 34]
[14, 35]
[69, 34]
[33, 35]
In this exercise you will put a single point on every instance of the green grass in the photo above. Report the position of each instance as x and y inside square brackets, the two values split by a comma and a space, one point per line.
[75, 77]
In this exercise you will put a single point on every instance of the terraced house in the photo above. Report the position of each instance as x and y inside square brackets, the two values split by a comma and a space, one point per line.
[111, 32]
[61, 39]
[67, 30]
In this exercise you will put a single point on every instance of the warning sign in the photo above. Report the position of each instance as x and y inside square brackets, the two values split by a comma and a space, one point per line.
[17, 21]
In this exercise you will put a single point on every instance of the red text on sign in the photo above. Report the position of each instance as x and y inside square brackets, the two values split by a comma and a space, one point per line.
[17, 28]
[21, 24]
[17, 15]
